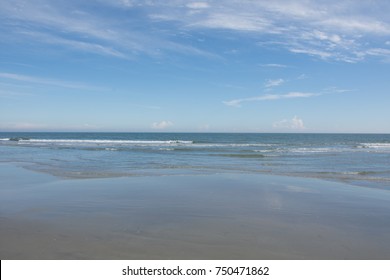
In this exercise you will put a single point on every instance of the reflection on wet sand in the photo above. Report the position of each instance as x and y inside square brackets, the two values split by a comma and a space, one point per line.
[227, 216]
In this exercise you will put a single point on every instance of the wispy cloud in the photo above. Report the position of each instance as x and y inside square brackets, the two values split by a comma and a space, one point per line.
[45, 81]
[312, 52]
[335, 90]
[198, 5]
[274, 65]
[79, 45]
[68, 25]
[378, 52]
[237, 22]
[12, 94]
[273, 83]
[268, 97]
[289, 95]
[328, 30]
[357, 24]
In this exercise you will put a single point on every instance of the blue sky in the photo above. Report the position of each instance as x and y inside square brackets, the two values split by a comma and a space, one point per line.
[195, 66]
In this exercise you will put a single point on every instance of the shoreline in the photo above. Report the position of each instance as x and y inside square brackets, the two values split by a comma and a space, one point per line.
[220, 216]
[60, 175]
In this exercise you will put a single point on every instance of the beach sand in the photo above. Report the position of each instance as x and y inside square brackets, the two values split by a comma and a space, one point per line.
[221, 216]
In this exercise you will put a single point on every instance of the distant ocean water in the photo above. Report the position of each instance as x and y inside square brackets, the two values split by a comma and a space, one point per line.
[362, 159]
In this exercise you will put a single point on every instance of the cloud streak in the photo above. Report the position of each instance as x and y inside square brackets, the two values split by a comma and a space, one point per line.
[274, 83]
[274, 65]
[66, 24]
[270, 97]
[45, 81]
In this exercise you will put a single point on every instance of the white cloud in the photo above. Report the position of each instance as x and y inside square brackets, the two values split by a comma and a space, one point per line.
[383, 53]
[298, 94]
[378, 52]
[274, 83]
[326, 37]
[295, 124]
[267, 97]
[234, 103]
[126, 3]
[276, 65]
[162, 125]
[330, 30]
[237, 22]
[335, 90]
[312, 52]
[357, 25]
[198, 5]
[78, 45]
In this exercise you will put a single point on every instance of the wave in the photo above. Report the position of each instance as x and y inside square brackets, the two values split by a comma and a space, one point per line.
[174, 142]
[375, 145]
[318, 150]
[15, 139]
[222, 146]
[241, 155]
[98, 141]
[231, 145]
[362, 173]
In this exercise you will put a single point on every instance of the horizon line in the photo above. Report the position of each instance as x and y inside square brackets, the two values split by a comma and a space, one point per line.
[198, 132]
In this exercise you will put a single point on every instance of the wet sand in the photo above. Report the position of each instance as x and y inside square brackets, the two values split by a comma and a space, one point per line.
[222, 216]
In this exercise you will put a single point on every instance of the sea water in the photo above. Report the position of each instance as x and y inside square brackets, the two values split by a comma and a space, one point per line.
[362, 159]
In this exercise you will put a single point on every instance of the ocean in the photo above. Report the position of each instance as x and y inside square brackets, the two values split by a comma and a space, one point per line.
[360, 159]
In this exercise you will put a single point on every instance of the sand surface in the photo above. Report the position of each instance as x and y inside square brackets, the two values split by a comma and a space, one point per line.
[222, 216]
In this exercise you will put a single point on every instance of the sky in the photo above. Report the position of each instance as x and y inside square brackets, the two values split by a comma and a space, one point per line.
[195, 66]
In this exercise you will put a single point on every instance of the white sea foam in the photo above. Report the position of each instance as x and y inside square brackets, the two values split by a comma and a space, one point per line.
[231, 145]
[316, 150]
[350, 173]
[376, 145]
